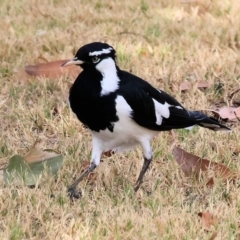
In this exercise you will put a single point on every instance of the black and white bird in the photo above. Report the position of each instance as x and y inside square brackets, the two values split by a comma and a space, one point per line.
[122, 110]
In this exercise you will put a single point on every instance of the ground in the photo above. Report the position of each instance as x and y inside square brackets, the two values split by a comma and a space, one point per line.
[165, 42]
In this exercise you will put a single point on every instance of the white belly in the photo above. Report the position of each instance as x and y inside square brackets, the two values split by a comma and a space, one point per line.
[126, 132]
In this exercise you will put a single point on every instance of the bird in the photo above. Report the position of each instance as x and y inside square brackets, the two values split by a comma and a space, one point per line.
[122, 110]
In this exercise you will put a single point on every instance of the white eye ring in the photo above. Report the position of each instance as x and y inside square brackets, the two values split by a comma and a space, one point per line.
[95, 59]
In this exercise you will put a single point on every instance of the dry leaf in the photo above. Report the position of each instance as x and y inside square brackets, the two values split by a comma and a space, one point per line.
[52, 69]
[35, 155]
[29, 169]
[230, 113]
[207, 220]
[108, 153]
[187, 85]
[193, 165]
[210, 182]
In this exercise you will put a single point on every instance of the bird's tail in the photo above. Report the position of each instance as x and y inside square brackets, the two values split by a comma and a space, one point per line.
[209, 122]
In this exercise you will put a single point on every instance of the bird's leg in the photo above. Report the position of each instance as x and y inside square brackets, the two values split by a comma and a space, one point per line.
[72, 189]
[147, 160]
[142, 173]
[95, 160]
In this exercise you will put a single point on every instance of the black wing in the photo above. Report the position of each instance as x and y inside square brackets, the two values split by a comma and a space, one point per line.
[153, 109]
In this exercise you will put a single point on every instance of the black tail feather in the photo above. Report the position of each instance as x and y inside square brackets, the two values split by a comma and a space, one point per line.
[209, 122]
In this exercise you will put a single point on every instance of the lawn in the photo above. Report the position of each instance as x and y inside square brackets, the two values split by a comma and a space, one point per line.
[165, 42]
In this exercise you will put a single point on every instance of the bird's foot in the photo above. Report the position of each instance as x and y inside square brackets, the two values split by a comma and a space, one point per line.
[73, 193]
[137, 186]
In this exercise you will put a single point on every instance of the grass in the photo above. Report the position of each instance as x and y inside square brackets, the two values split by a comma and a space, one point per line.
[165, 42]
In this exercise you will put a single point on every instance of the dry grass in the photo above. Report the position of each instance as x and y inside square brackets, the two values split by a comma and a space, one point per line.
[165, 42]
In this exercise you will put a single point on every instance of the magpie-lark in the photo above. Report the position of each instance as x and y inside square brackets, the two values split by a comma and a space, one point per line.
[121, 110]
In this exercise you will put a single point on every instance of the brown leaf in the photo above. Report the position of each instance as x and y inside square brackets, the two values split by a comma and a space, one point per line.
[230, 113]
[29, 169]
[52, 69]
[210, 182]
[193, 165]
[36, 155]
[108, 153]
[207, 220]
[187, 85]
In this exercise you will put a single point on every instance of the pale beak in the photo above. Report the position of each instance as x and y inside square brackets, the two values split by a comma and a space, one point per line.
[73, 61]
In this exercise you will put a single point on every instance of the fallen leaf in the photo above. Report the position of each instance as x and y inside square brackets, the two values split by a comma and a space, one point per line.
[193, 165]
[210, 182]
[187, 85]
[29, 168]
[230, 113]
[108, 153]
[52, 69]
[36, 155]
[207, 220]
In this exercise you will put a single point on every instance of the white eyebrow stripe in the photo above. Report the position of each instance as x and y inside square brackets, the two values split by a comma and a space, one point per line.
[96, 53]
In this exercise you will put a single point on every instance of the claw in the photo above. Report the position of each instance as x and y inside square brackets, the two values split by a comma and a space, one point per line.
[72, 193]
[72, 189]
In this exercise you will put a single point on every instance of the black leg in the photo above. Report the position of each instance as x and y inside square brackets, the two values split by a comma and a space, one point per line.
[142, 173]
[72, 189]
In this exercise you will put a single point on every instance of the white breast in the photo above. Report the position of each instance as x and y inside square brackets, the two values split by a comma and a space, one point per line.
[126, 133]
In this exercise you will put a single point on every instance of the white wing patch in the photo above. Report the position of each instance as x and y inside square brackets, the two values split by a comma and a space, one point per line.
[110, 80]
[97, 53]
[162, 110]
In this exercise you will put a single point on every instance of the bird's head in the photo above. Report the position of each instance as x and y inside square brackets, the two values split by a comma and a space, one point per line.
[93, 55]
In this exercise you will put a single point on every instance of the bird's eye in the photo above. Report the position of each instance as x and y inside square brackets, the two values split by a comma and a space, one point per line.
[95, 59]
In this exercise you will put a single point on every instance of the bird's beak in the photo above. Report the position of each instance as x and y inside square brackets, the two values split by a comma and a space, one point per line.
[74, 61]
